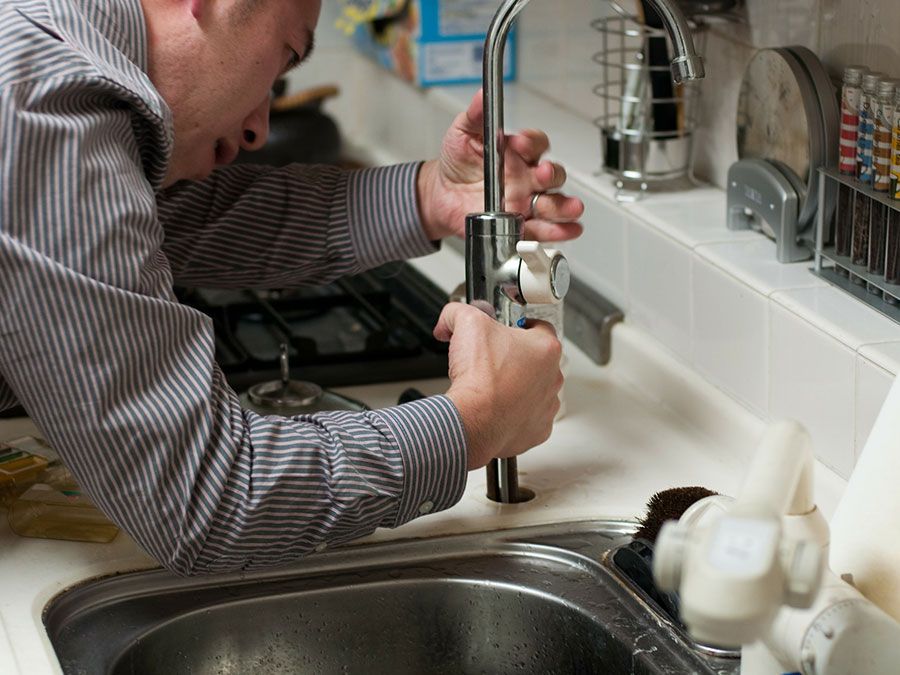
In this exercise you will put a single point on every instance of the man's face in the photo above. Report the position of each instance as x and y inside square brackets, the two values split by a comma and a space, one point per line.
[214, 62]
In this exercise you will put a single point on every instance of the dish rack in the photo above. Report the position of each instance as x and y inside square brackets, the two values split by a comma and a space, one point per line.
[877, 282]
[637, 149]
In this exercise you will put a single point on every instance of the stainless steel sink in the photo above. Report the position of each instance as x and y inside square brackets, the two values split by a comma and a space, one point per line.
[531, 600]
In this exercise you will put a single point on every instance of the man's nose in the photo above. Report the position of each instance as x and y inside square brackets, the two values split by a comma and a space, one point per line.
[256, 127]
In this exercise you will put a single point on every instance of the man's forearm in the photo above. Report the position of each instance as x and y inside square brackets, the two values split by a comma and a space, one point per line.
[126, 389]
[259, 226]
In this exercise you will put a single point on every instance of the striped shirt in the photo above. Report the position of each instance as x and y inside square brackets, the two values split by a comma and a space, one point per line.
[119, 376]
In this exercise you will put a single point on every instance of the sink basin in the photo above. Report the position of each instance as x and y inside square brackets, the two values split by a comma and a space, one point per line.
[530, 600]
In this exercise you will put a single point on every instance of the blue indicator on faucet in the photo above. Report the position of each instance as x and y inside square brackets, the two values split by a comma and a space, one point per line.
[521, 322]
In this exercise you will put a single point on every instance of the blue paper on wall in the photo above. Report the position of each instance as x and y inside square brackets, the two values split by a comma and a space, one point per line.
[433, 42]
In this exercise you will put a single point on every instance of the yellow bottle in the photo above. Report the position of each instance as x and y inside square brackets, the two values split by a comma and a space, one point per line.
[895, 155]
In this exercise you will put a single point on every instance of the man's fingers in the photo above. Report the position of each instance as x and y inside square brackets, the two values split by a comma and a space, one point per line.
[542, 230]
[529, 144]
[548, 176]
[471, 122]
[454, 312]
[557, 207]
[446, 322]
[540, 325]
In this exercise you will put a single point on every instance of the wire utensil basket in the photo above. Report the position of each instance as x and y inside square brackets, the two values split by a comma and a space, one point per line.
[647, 123]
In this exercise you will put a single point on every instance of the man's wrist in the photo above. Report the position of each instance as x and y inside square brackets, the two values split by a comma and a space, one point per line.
[426, 186]
[475, 416]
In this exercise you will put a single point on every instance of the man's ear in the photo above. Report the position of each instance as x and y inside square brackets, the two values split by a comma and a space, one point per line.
[197, 7]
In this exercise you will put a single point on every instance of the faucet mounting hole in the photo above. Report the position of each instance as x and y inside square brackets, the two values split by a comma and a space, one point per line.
[522, 495]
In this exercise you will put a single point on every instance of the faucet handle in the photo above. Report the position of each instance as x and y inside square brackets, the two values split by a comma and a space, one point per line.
[544, 274]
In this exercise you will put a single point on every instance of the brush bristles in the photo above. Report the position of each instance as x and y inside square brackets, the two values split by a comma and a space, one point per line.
[668, 505]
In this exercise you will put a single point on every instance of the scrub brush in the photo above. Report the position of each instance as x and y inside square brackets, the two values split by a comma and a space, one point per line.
[634, 560]
[668, 505]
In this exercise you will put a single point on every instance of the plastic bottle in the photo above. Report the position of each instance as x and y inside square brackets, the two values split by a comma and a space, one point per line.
[553, 314]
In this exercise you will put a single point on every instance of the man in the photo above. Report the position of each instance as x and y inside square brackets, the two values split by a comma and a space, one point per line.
[113, 116]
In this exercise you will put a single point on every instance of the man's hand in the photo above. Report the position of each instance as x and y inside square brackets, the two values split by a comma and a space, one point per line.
[453, 186]
[505, 382]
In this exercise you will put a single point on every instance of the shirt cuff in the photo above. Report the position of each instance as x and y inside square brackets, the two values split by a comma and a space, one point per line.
[432, 446]
[384, 215]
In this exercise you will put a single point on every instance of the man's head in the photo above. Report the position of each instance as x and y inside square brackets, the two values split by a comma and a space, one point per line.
[214, 62]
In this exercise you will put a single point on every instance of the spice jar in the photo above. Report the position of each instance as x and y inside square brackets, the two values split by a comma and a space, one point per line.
[884, 128]
[865, 140]
[884, 121]
[851, 94]
[895, 157]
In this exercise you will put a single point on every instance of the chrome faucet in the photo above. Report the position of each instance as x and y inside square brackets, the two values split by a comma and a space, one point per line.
[503, 273]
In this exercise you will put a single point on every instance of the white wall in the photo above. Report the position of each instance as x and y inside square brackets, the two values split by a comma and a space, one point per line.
[558, 42]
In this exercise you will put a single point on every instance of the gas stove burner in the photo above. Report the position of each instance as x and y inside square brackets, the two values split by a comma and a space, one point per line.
[287, 397]
[366, 329]
[285, 393]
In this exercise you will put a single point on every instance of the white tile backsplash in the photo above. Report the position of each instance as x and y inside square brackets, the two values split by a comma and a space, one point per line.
[884, 354]
[658, 273]
[813, 380]
[839, 314]
[691, 222]
[598, 256]
[730, 325]
[754, 262]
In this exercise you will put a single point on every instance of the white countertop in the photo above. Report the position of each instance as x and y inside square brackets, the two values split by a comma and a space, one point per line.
[640, 425]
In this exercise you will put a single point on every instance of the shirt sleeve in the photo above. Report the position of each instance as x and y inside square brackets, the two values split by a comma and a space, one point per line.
[122, 380]
[258, 226]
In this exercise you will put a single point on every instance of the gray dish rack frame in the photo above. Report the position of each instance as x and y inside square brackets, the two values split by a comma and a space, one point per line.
[645, 155]
[840, 270]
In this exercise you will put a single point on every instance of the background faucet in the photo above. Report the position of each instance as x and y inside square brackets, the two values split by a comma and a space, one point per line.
[504, 273]
[754, 576]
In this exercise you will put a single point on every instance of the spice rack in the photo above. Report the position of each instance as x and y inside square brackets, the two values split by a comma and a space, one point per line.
[873, 278]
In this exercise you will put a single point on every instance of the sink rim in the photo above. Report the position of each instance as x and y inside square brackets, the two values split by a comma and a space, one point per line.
[352, 556]
[578, 546]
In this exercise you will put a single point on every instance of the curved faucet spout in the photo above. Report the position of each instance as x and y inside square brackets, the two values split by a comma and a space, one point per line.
[494, 257]
[687, 65]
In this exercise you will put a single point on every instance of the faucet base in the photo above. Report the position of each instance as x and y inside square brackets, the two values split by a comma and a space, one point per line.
[503, 483]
